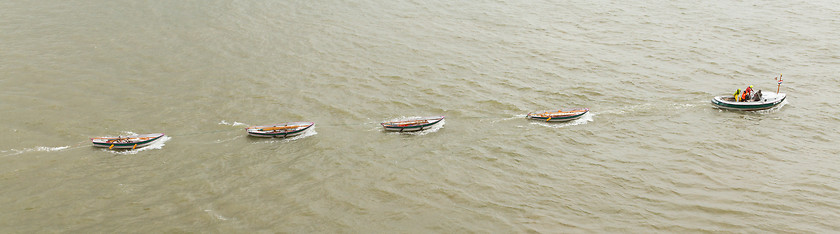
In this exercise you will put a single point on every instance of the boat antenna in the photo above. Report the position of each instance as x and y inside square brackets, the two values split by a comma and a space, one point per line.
[779, 80]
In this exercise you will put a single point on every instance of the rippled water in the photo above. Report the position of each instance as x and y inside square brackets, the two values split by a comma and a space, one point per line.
[651, 156]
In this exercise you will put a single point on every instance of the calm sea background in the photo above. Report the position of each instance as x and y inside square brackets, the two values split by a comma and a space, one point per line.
[652, 155]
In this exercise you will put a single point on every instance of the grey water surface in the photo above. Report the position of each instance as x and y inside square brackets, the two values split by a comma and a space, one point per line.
[652, 155]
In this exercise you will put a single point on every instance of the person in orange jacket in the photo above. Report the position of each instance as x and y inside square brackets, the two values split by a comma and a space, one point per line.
[748, 93]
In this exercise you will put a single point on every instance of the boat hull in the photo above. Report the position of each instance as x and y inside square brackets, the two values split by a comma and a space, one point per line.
[109, 142]
[769, 101]
[395, 127]
[544, 116]
[257, 132]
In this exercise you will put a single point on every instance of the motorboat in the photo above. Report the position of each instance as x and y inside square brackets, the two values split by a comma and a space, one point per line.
[766, 101]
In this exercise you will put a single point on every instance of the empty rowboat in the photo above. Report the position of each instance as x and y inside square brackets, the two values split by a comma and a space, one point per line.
[128, 142]
[559, 115]
[412, 124]
[280, 130]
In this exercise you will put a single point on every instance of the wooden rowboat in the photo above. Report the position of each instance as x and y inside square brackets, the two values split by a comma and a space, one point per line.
[559, 115]
[128, 142]
[413, 124]
[280, 130]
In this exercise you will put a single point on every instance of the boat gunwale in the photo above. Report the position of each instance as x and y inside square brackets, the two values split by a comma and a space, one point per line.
[253, 130]
[93, 140]
[391, 124]
[544, 115]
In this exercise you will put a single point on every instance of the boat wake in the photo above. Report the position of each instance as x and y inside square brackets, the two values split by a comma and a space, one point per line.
[588, 117]
[652, 107]
[230, 139]
[216, 215]
[13, 152]
[155, 145]
[508, 118]
[309, 132]
[773, 109]
[223, 122]
[683, 106]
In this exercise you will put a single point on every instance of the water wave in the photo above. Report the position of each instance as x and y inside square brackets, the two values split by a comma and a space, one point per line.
[216, 215]
[773, 109]
[229, 139]
[35, 149]
[223, 122]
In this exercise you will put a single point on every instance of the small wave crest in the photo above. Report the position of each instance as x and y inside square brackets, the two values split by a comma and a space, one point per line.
[496, 120]
[229, 139]
[216, 215]
[35, 149]
[773, 109]
[649, 107]
[223, 122]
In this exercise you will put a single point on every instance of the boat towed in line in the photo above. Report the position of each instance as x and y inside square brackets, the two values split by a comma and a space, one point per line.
[128, 142]
[412, 124]
[559, 115]
[284, 130]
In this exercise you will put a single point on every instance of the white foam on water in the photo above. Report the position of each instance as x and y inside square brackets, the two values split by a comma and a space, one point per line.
[35, 149]
[309, 132]
[223, 122]
[773, 109]
[215, 215]
[629, 109]
[230, 139]
[155, 145]
[48, 149]
[683, 106]
[522, 116]
[586, 118]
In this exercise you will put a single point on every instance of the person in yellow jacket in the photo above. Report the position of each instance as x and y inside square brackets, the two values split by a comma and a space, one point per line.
[737, 95]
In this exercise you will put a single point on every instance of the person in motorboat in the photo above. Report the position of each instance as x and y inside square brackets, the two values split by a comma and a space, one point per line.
[737, 95]
[757, 96]
[745, 96]
[748, 92]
